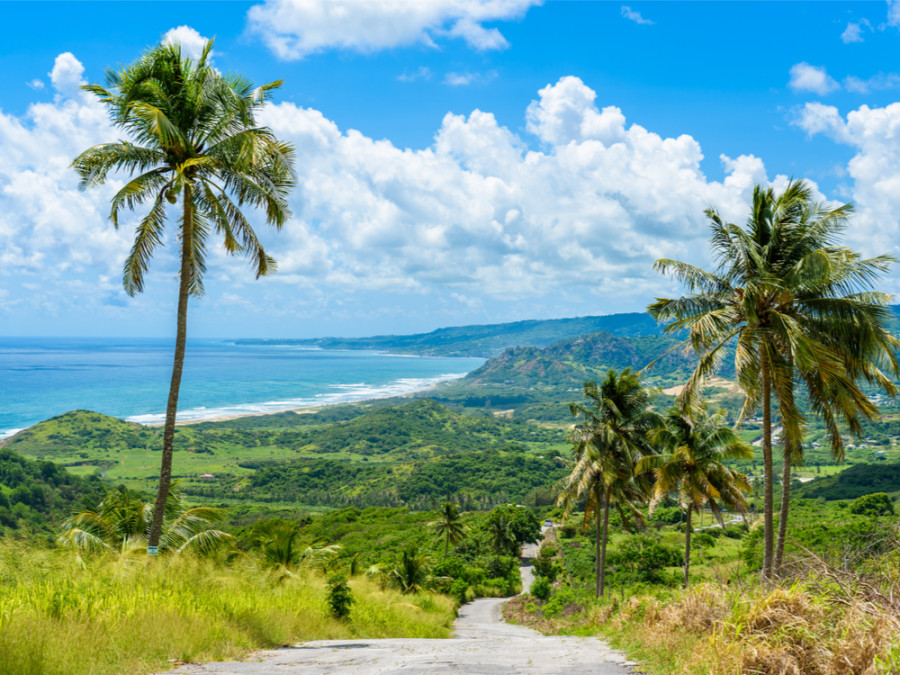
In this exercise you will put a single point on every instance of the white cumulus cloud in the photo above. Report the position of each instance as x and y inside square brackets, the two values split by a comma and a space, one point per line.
[874, 133]
[294, 29]
[192, 43]
[805, 77]
[478, 219]
[67, 73]
[478, 213]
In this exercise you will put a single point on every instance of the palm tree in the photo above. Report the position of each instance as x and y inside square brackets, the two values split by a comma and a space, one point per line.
[411, 571]
[692, 466]
[120, 523]
[502, 534]
[191, 135]
[608, 440]
[449, 527]
[798, 310]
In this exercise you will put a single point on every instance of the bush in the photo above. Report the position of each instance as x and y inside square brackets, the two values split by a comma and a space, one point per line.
[878, 504]
[547, 568]
[340, 597]
[541, 588]
[642, 559]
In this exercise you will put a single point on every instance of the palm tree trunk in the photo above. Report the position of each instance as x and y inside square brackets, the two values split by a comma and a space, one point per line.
[785, 506]
[601, 577]
[598, 528]
[767, 464]
[687, 546]
[165, 471]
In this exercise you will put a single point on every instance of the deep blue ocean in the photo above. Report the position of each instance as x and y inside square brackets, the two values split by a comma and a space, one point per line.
[129, 378]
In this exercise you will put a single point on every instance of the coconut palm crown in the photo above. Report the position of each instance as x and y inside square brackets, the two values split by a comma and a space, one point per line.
[191, 136]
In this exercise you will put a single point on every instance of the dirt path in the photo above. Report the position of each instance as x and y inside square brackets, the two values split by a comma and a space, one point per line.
[483, 644]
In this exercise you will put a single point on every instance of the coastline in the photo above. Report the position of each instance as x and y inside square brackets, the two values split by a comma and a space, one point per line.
[402, 388]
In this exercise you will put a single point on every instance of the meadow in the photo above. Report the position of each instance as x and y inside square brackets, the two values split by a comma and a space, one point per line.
[63, 614]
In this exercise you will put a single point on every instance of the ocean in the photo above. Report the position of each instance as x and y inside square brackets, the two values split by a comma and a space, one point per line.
[129, 378]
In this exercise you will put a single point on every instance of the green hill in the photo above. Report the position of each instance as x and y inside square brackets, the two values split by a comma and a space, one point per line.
[485, 340]
[568, 363]
[378, 441]
[855, 481]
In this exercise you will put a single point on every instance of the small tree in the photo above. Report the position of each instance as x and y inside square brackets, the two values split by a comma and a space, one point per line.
[340, 598]
[449, 526]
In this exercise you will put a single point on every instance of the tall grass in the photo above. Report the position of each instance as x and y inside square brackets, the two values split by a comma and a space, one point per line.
[61, 615]
[799, 628]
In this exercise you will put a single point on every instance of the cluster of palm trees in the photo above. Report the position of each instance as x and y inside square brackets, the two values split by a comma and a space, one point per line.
[626, 455]
[803, 318]
[807, 330]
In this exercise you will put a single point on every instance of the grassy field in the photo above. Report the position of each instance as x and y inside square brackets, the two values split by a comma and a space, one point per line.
[61, 615]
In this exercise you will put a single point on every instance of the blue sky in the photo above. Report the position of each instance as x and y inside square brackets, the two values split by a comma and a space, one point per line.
[460, 161]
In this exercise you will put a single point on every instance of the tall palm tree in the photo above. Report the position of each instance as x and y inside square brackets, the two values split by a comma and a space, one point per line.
[120, 523]
[449, 526]
[191, 134]
[692, 466]
[608, 440]
[798, 310]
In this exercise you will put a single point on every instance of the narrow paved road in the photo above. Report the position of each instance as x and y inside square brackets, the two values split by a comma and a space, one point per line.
[483, 644]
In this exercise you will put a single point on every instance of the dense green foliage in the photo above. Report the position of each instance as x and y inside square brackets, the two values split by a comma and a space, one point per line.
[878, 504]
[476, 479]
[35, 495]
[399, 548]
[375, 454]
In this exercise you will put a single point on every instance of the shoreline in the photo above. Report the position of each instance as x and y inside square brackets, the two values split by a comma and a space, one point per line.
[302, 409]
[298, 409]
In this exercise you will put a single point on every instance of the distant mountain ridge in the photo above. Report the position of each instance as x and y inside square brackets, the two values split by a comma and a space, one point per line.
[485, 340]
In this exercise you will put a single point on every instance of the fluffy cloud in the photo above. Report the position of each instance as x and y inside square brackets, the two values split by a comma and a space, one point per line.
[480, 214]
[874, 133]
[568, 216]
[67, 73]
[805, 77]
[192, 43]
[295, 28]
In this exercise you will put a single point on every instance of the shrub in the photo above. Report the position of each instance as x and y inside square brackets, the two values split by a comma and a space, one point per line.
[541, 588]
[340, 597]
[878, 504]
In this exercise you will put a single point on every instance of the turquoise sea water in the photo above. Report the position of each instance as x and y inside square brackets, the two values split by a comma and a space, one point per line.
[129, 378]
